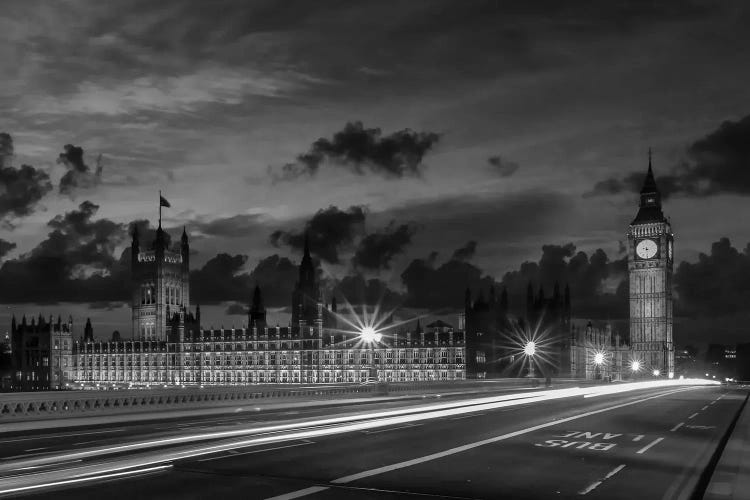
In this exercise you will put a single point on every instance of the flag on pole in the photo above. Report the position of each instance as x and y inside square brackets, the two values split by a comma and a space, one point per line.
[163, 202]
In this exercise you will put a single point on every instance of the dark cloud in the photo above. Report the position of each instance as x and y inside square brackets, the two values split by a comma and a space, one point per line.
[356, 289]
[21, 189]
[466, 252]
[5, 247]
[376, 250]
[276, 277]
[598, 286]
[76, 262]
[717, 285]
[364, 150]
[503, 166]
[716, 164]
[329, 231]
[441, 287]
[220, 279]
[79, 175]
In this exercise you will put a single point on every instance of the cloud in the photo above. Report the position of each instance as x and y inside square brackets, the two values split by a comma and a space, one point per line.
[5, 247]
[329, 231]
[502, 166]
[236, 309]
[376, 250]
[719, 163]
[717, 285]
[79, 175]
[440, 287]
[220, 279]
[466, 252]
[358, 290]
[76, 262]
[598, 286]
[21, 189]
[276, 277]
[364, 150]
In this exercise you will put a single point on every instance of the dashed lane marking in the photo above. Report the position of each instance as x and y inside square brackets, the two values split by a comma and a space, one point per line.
[704, 408]
[299, 493]
[638, 437]
[648, 446]
[676, 427]
[693, 416]
[596, 484]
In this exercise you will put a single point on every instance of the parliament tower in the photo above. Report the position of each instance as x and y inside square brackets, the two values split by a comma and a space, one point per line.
[160, 285]
[650, 263]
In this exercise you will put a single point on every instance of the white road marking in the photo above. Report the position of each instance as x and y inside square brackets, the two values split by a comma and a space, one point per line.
[712, 402]
[379, 431]
[676, 427]
[37, 449]
[693, 416]
[652, 443]
[238, 453]
[299, 493]
[638, 437]
[704, 408]
[43, 436]
[596, 484]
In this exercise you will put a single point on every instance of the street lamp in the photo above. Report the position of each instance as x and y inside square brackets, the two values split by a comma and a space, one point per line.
[635, 365]
[371, 336]
[599, 358]
[657, 373]
[530, 350]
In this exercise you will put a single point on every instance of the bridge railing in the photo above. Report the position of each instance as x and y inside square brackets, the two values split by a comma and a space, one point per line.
[16, 407]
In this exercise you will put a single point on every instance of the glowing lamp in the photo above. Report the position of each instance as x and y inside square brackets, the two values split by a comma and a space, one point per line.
[656, 373]
[370, 335]
[599, 358]
[530, 348]
[635, 365]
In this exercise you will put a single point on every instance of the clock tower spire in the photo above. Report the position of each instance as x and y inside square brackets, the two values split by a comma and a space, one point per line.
[650, 265]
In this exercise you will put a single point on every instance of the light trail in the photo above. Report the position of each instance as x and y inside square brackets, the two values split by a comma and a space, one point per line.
[297, 431]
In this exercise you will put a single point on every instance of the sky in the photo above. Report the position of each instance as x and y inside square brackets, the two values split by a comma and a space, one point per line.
[424, 145]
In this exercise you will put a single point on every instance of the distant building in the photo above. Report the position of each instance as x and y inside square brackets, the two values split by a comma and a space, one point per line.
[41, 354]
[686, 362]
[598, 353]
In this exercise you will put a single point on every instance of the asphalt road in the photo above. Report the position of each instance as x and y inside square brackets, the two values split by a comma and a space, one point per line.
[651, 443]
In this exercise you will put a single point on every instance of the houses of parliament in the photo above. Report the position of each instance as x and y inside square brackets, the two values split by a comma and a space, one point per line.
[169, 347]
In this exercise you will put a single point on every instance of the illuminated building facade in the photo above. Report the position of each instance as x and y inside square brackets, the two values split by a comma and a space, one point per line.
[650, 264]
[170, 347]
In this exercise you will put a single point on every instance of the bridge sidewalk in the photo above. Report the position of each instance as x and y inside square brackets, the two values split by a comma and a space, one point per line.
[731, 478]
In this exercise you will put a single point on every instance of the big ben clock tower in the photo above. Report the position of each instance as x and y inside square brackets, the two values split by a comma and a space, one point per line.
[650, 263]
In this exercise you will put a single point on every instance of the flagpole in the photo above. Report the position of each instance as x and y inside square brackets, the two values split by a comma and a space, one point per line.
[160, 208]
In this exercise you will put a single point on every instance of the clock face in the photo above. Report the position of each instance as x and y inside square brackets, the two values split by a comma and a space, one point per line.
[646, 249]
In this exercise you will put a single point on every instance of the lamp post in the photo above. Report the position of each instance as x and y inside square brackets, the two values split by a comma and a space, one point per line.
[371, 337]
[530, 350]
[635, 367]
[598, 362]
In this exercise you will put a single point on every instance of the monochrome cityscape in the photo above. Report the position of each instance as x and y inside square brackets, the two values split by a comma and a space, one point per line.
[454, 250]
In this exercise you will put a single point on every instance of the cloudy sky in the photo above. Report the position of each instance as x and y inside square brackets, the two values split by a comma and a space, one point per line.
[424, 145]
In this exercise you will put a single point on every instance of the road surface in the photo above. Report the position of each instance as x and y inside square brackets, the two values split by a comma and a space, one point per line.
[645, 443]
